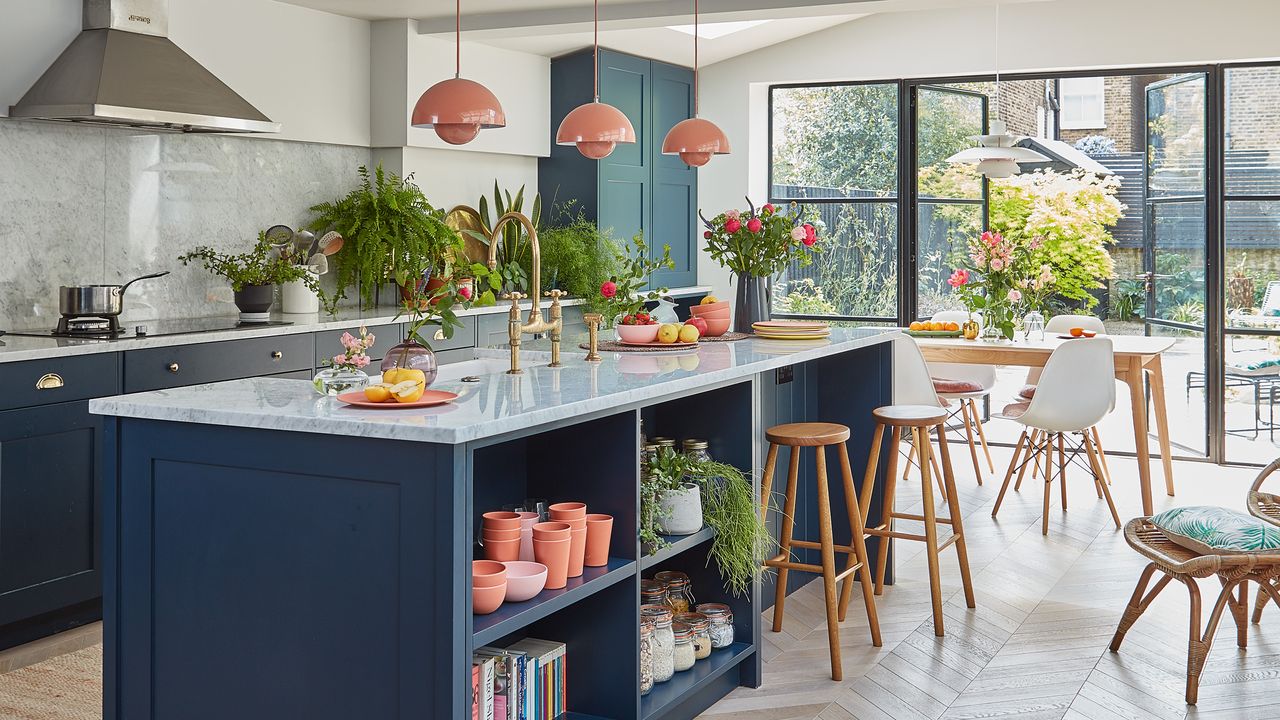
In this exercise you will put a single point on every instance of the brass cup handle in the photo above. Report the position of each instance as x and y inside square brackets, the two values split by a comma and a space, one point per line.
[49, 381]
[276, 354]
[173, 367]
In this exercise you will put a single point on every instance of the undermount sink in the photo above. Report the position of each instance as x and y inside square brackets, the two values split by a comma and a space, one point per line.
[452, 372]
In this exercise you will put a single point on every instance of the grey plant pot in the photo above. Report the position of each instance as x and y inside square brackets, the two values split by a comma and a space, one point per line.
[680, 511]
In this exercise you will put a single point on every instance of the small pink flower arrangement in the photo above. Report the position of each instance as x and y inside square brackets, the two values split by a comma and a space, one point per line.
[355, 355]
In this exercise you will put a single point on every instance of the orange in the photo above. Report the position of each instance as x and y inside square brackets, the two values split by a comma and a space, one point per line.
[916, 326]
[935, 326]
[1077, 332]
[377, 393]
[952, 327]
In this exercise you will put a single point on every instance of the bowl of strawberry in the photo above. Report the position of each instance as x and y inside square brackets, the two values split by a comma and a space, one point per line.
[637, 328]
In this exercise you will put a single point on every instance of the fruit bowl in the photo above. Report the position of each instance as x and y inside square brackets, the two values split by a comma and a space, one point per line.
[638, 333]
[709, 307]
[525, 580]
[717, 326]
[485, 600]
[488, 573]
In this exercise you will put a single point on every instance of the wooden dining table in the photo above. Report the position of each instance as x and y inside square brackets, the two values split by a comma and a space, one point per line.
[1135, 356]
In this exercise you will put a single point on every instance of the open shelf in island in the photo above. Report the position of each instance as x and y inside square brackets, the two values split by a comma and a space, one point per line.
[685, 685]
[511, 617]
[676, 544]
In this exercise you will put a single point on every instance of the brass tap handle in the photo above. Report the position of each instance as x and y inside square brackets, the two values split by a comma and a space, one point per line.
[593, 321]
[557, 325]
[514, 332]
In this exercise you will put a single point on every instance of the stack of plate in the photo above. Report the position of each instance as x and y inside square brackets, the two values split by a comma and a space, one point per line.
[791, 330]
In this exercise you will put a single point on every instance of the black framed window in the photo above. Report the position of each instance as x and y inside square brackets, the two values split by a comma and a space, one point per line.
[835, 150]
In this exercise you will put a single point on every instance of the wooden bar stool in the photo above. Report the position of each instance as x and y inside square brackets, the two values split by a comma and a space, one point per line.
[819, 435]
[920, 420]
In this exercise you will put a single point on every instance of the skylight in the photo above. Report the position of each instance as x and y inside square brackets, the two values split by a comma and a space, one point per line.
[711, 31]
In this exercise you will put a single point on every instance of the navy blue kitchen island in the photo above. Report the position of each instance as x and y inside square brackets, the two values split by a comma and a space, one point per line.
[269, 553]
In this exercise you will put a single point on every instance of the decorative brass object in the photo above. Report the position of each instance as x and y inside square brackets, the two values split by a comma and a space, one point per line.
[537, 323]
[593, 321]
[970, 329]
[49, 381]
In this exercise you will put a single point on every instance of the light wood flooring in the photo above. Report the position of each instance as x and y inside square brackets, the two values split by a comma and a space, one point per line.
[1036, 646]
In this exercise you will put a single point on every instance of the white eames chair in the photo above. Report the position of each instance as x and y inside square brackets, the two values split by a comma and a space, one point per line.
[912, 386]
[965, 384]
[1076, 390]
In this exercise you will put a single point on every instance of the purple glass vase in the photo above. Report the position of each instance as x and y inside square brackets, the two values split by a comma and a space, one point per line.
[412, 354]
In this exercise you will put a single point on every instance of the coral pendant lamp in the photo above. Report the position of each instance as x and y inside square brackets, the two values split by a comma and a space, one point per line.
[457, 108]
[595, 127]
[695, 140]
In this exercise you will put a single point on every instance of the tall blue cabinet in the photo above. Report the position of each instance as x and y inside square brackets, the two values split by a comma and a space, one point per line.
[637, 188]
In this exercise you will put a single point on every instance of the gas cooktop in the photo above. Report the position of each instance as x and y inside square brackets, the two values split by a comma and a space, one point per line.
[85, 328]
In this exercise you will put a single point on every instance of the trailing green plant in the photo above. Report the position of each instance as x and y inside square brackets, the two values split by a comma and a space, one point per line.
[578, 257]
[425, 305]
[259, 266]
[624, 294]
[514, 259]
[391, 232]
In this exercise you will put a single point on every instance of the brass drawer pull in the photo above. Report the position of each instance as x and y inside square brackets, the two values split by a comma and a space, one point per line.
[439, 334]
[173, 367]
[49, 381]
[276, 354]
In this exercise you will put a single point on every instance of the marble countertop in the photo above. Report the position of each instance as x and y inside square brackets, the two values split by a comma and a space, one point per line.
[495, 405]
[15, 348]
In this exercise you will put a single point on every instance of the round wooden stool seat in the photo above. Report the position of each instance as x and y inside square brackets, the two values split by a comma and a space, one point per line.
[910, 415]
[812, 434]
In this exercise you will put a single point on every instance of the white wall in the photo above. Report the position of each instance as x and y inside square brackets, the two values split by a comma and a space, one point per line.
[305, 69]
[451, 177]
[1063, 34]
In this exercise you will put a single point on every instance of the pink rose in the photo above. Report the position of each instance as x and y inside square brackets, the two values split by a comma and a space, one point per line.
[360, 361]
[340, 359]
[347, 341]
[609, 288]
[1015, 296]
[809, 240]
[768, 209]
[464, 292]
[707, 235]
[958, 278]
[733, 215]
[732, 226]
[798, 234]
[997, 264]
[754, 225]
[810, 235]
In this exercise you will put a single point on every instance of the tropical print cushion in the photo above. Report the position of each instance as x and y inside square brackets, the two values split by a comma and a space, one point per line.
[1217, 531]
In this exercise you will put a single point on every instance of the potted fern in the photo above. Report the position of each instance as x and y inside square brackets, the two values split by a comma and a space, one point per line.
[392, 233]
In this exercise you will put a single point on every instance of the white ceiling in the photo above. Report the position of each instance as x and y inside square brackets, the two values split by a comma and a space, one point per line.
[556, 27]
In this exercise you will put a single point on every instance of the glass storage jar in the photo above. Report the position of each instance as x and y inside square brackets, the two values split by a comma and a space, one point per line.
[653, 592]
[663, 640]
[721, 619]
[680, 594]
[683, 654]
[701, 629]
[663, 442]
[697, 450]
[646, 658]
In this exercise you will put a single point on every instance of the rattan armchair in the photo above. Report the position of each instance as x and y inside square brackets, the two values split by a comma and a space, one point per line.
[1266, 507]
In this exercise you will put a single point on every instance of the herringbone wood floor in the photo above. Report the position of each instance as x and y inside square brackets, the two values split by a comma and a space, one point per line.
[1036, 646]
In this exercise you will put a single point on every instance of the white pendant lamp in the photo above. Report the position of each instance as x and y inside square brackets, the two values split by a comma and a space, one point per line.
[695, 140]
[997, 154]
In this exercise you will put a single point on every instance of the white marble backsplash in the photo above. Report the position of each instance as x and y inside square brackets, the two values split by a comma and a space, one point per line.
[83, 205]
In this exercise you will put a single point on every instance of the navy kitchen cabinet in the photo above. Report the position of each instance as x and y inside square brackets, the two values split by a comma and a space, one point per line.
[636, 188]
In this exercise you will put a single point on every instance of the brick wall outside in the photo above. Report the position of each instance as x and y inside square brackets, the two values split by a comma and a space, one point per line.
[1253, 109]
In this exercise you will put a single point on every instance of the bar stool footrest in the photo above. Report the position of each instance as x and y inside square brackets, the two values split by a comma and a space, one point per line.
[806, 567]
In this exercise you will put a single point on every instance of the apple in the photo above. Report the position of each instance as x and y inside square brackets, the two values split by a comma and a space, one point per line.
[698, 323]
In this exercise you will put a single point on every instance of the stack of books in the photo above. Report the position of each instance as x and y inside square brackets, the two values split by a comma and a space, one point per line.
[525, 681]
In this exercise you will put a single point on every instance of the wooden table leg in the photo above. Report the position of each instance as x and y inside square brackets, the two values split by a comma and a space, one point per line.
[1162, 420]
[1137, 404]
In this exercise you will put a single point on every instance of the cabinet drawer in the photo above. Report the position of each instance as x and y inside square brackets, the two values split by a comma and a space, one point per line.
[328, 343]
[463, 337]
[65, 379]
[158, 368]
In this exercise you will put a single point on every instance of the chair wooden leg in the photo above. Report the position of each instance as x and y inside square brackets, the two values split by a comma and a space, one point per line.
[1238, 605]
[1013, 465]
[1102, 455]
[1196, 650]
[1033, 459]
[911, 458]
[957, 519]
[968, 433]
[859, 545]
[873, 464]
[982, 436]
[933, 463]
[1137, 604]
[1048, 482]
[788, 527]
[930, 529]
[886, 510]
[766, 481]
[1097, 471]
[1062, 471]
[828, 564]
[1260, 603]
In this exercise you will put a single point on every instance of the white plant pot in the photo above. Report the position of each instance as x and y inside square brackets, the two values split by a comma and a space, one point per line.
[680, 511]
[297, 298]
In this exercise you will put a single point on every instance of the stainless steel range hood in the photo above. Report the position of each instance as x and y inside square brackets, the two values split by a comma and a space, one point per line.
[123, 70]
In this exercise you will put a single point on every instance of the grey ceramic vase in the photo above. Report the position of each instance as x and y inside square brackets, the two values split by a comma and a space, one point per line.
[680, 511]
[753, 302]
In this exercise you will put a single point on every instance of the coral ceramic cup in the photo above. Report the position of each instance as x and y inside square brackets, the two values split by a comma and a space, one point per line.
[502, 550]
[702, 310]
[638, 333]
[599, 532]
[577, 551]
[566, 511]
[491, 534]
[525, 580]
[555, 555]
[551, 531]
[717, 326]
[526, 544]
[487, 573]
[501, 520]
[485, 600]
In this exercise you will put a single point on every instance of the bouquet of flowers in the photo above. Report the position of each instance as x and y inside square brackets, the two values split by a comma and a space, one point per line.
[763, 242]
[1002, 279]
[355, 355]
[624, 294]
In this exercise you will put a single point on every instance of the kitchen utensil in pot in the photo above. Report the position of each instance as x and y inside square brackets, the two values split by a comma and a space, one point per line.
[96, 300]
[330, 243]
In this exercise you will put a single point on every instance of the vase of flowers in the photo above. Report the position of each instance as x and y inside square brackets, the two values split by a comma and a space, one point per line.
[1002, 281]
[756, 245]
[344, 372]
[624, 295]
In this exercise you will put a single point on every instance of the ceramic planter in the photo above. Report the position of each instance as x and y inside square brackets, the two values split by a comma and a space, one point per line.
[297, 298]
[680, 511]
[254, 302]
[599, 532]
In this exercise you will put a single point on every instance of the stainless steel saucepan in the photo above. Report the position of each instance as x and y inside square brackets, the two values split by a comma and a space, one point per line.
[96, 300]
